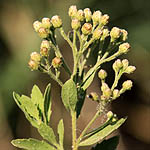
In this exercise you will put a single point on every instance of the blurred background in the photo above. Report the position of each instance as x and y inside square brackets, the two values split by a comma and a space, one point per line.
[18, 40]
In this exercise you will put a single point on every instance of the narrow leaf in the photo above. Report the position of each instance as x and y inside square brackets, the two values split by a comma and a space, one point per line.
[37, 97]
[109, 144]
[32, 144]
[47, 133]
[47, 102]
[69, 95]
[60, 131]
[102, 133]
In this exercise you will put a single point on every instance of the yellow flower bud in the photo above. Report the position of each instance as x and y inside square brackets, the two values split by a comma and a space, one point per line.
[104, 20]
[96, 17]
[80, 15]
[35, 57]
[102, 74]
[107, 93]
[87, 14]
[37, 25]
[116, 93]
[109, 114]
[117, 65]
[86, 28]
[97, 34]
[125, 63]
[44, 51]
[72, 11]
[104, 87]
[115, 33]
[124, 48]
[56, 21]
[45, 44]
[75, 24]
[127, 85]
[105, 34]
[130, 69]
[46, 23]
[33, 65]
[43, 32]
[124, 35]
[56, 62]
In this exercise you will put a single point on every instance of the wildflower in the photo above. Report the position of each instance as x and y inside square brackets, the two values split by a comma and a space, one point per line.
[56, 21]
[86, 28]
[37, 25]
[75, 24]
[46, 23]
[102, 74]
[87, 14]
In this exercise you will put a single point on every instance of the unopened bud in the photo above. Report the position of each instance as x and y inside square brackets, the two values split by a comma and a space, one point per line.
[97, 34]
[56, 21]
[130, 69]
[109, 114]
[46, 23]
[117, 65]
[72, 11]
[96, 17]
[86, 28]
[35, 57]
[105, 34]
[102, 74]
[107, 93]
[104, 87]
[75, 24]
[124, 48]
[45, 44]
[80, 15]
[125, 63]
[124, 35]
[93, 96]
[104, 20]
[33, 65]
[43, 32]
[127, 85]
[56, 62]
[44, 51]
[87, 14]
[116, 93]
[37, 25]
[115, 33]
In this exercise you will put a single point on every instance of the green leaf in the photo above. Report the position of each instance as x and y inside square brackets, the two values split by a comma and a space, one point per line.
[109, 144]
[47, 133]
[102, 133]
[32, 144]
[37, 97]
[88, 78]
[30, 108]
[47, 102]
[60, 131]
[69, 95]
[18, 101]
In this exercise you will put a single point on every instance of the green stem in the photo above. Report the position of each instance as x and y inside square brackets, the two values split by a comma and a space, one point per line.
[88, 126]
[74, 128]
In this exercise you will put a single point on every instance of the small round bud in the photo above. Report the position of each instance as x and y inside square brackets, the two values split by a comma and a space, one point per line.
[33, 65]
[124, 48]
[102, 74]
[72, 11]
[105, 34]
[96, 17]
[109, 114]
[114, 119]
[130, 69]
[37, 25]
[35, 57]
[125, 63]
[107, 93]
[115, 33]
[56, 21]
[97, 34]
[117, 65]
[104, 87]
[127, 85]
[124, 35]
[80, 15]
[104, 20]
[56, 62]
[116, 93]
[46, 23]
[44, 51]
[87, 14]
[43, 32]
[45, 44]
[93, 96]
[75, 24]
[86, 28]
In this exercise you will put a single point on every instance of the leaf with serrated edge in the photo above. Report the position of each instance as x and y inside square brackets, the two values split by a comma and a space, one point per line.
[102, 133]
[47, 102]
[37, 97]
[60, 131]
[69, 95]
[47, 133]
[32, 144]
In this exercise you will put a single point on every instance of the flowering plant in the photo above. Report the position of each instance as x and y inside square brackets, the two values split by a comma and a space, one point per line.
[89, 30]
